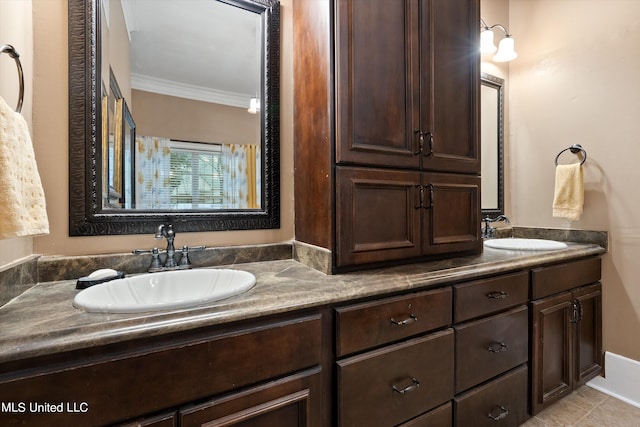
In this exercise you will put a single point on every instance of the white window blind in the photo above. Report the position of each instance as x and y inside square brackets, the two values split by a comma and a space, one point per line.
[196, 178]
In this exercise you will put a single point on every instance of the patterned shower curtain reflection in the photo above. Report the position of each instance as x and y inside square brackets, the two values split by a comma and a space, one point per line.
[152, 161]
[242, 180]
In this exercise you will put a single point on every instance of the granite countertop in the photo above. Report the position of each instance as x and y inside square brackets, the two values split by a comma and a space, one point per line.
[43, 320]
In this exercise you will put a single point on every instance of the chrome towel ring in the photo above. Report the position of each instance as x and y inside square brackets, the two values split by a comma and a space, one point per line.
[7, 48]
[575, 149]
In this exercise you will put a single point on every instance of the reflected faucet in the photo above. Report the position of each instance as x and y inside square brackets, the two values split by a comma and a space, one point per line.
[489, 232]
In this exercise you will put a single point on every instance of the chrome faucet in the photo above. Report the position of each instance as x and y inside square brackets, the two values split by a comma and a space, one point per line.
[489, 232]
[166, 231]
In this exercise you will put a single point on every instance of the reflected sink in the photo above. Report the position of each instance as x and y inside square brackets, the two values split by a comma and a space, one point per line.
[165, 290]
[518, 244]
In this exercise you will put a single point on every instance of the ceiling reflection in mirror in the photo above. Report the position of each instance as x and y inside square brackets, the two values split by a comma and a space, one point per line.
[195, 143]
[185, 111]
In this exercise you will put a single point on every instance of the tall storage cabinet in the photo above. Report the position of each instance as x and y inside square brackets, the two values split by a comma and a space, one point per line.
[386, 128]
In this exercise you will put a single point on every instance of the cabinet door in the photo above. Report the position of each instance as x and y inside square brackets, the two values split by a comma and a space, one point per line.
[449, 70]
[377, 218]
[588, 346]
[451, 213]
[291, 402]
[164, 420]
[377, 82]
[552, 350]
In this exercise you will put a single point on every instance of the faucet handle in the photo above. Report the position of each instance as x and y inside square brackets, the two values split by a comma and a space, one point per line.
[155, 265]
[185, 262]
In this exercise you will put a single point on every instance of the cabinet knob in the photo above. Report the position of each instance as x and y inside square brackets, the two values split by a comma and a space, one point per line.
[502, 413]
[411, 387]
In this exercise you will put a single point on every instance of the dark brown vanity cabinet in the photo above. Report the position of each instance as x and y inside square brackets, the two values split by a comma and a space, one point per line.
[492, 350]
[406, 84]
[381, 109]
[261, 374]
[392, 214]
[395, 361]
[566, 329]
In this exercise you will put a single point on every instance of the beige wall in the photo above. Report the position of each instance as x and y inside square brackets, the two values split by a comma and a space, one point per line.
[577, 81]
[186, 119]
[16, 30]
[51, 134]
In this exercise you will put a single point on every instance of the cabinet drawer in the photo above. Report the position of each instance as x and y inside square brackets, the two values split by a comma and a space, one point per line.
[504, 399]
[486, 296]
[440, 417]
[558, 278]
[391, 385]
[291, 401]
[363, 326]
[488, 347]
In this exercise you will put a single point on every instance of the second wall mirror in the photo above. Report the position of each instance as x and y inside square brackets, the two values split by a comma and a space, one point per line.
[492, 142]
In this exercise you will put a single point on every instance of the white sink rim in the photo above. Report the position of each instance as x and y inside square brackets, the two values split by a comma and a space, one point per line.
[522, 244]
[166, 290]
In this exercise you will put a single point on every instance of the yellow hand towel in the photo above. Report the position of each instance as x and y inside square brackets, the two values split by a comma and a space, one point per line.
[569, 192]
[23, 210]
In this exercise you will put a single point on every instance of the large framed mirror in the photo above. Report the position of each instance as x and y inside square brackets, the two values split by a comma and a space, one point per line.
[492, 141]
[173, 115]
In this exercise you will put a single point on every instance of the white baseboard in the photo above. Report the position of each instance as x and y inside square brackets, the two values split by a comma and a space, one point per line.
[622, 379]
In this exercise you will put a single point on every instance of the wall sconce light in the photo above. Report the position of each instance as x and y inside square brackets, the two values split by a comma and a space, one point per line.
[254, 105]
[505, 50]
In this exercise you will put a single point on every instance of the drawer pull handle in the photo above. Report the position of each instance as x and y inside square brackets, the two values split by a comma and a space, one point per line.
[497, 295]
[412, 318]
[502, 415]
[497, 347]
[408, 388]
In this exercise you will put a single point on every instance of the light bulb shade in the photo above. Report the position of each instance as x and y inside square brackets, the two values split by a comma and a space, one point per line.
[254, 106]
[506, 51]
[486, 42]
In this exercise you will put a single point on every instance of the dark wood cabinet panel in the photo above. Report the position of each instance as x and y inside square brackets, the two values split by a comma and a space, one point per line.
[377, 86]
[488, 347]
[491, 295]
[290, 402]
[451, 221]
[566, 343]
[377, 218]
[439, 417]
[363, 326]
[392, 385]
[553, 279]
[502, 401]
[385, 215]
[589, 354]
[449, 73]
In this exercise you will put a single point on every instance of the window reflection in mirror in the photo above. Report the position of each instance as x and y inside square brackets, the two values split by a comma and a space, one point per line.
[492, 141]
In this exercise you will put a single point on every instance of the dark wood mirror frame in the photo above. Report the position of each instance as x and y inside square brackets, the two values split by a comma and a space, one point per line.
[86, 215]
[497, 84]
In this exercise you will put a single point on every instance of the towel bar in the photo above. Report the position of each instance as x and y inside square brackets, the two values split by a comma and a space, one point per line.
[575, 149]
[7, 48]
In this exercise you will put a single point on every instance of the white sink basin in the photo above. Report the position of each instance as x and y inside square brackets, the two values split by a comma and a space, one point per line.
[517, 244]
[164, 291]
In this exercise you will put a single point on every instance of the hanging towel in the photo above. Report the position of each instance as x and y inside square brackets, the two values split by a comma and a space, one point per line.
[569, 192]
[22, 204]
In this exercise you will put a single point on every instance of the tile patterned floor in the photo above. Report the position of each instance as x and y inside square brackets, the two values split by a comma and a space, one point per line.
[587, 407]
